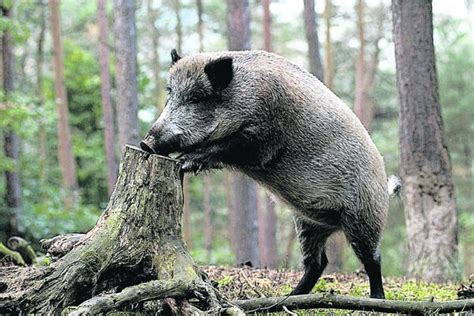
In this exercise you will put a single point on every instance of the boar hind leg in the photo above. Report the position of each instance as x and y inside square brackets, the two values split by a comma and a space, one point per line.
[312, 239]
[365, 239]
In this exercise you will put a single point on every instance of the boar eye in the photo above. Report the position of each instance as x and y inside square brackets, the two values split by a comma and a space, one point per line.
[195, 98]
[168, 89]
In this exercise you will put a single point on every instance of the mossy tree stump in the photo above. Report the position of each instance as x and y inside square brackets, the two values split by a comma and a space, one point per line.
[135, 252]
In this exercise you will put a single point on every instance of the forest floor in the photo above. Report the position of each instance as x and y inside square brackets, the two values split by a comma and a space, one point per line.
[245, 283]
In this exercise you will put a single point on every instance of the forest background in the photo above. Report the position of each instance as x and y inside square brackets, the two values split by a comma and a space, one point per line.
[44, 204]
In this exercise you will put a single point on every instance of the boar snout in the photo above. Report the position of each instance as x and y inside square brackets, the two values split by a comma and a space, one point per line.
[146, 145]
[163, 142]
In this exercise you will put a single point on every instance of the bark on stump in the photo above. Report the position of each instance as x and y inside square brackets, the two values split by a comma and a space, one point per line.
[135, 252]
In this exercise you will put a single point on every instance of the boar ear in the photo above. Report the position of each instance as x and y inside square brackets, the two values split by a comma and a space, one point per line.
[174, 56]
[219, 72]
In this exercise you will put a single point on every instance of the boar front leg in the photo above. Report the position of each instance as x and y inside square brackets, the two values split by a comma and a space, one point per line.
[226, 152]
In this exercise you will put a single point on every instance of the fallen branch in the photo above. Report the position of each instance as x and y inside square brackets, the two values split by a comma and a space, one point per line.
[275, 304]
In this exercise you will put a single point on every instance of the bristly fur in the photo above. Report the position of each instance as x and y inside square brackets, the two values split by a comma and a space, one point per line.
[266, 117]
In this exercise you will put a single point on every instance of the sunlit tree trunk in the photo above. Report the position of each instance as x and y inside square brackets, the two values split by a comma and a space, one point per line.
[208, 230]
[311, 28]
[271, 248]
[179, 27]
[328, 56]
[200, 26]
[335, 245]
[67, 162]
[126, 71]
[430, 207]
[207, 178]
[244, 190]
[187, 213]
[359, 101]
[187, 232]
[366, 70]
[108, 114]
[43, 150]
[10, 139]
[269, 225]
[155, 61]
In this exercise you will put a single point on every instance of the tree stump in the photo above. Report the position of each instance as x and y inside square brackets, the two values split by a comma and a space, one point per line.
[135, 253]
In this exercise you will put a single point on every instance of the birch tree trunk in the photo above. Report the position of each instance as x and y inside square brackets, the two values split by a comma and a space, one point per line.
[430, 207]
[67, 162]
[107, 109]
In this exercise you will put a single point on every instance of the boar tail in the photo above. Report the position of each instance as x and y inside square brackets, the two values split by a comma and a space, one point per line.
[394, 185]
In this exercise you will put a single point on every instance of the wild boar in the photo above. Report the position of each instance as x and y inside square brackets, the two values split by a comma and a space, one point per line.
[261, 115]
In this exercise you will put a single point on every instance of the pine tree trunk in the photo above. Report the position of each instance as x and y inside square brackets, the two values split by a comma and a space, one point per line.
[244, 190]
[43, 151]
[134, 253]
[67, 162]
[430, 207]
[107, 109]
[126, 72]
[271, 249]
[366, 70]
[155, 61]
[179, 27]
[328, 57]
[311, 29]
[10, 139]
[267, 26]
[208, 230]
[360, 99]
[200, 26]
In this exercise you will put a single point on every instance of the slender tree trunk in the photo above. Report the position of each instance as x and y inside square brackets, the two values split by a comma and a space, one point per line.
[108, 114]
[328, 56]
[43, 150]
[359, 101]
[267, 26]
[179, 27]
[364, 106]
[261, 212]
[311, 28]
[155, 61]
[207, 178]
[430, 210]
[187, 233]
[271, 248]
[208, 230]
[229, 197]
[238, 24]
[269, 224]
[290, 241]
[200, 26]
[126, 71]
[67, 162]
[246, 231]
[10, 139]
[244, 189]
